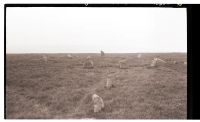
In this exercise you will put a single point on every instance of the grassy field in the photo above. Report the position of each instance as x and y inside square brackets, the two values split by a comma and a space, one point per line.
[62, 89]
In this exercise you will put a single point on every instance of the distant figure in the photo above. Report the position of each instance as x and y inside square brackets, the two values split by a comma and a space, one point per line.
[139, 55]
[69, 56]
[123, 64]
[98, 103]
[102, 53]
[109, 83]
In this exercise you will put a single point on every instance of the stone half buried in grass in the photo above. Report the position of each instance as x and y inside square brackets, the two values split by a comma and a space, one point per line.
[123, 64]
[69, 56]
[157, 62]
[153, 63]
[175, 62]
[89, 64]
[88, 57]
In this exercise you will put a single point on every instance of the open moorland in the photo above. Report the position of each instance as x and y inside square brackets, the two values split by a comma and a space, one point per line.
[60, 88]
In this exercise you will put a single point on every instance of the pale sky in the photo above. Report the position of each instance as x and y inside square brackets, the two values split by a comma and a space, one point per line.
[89, 30]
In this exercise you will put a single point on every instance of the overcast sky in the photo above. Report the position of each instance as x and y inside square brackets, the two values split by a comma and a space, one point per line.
[83, 30]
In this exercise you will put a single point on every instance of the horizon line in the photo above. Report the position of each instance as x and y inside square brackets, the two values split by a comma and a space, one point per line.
[91, 52]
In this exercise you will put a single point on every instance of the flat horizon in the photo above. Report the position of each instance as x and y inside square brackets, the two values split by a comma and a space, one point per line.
[98, 53]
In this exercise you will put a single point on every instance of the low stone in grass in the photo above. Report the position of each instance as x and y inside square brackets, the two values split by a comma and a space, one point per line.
[123, 64]
[45, 58]
[109, 83]
[139, 56]
[153, 63]
[69, 56]
[174, 62]
[88, 64]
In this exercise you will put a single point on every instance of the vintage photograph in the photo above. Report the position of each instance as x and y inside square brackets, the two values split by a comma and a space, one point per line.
[96, 63]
